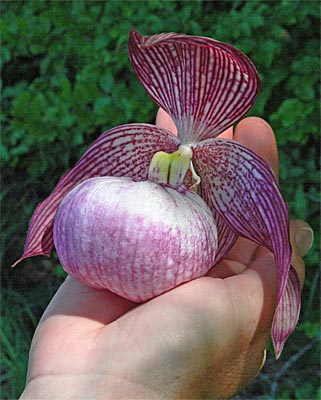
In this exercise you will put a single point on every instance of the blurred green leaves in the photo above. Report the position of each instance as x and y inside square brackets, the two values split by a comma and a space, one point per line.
[66, 74]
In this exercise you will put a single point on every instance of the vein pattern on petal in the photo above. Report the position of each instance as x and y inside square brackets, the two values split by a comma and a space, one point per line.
[287, 312]
[244, 191]
[205, 85]
[226, 236]
[122, 151]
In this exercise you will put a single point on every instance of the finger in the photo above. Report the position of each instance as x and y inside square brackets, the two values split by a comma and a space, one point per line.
[226, 269]
[257, 135]
[75, 314]
[94, 307]
[163, 120]
[301, 236]
[253, 295]
[227, 134]
[242, 254]
[243, 251]
[259, 284]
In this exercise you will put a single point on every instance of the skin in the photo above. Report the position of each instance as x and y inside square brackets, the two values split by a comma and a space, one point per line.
[203, 339]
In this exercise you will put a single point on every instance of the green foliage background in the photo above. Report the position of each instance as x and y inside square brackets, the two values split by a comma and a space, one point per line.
[66, 78]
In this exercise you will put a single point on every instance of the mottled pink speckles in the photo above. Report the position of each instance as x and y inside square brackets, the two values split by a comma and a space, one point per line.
[137, 239]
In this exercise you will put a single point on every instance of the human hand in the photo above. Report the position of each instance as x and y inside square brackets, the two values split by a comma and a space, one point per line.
[205, 338]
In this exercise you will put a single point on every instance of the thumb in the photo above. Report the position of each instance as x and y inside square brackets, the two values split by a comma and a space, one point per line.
[301, 236]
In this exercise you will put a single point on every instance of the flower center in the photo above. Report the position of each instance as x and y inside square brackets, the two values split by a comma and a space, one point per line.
[171, 168]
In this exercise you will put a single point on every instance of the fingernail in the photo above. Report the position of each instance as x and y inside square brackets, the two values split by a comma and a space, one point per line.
[264, 359]
[304, 240]
[262, 363]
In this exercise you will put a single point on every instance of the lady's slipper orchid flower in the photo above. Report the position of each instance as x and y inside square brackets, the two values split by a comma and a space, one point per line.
[205, 86]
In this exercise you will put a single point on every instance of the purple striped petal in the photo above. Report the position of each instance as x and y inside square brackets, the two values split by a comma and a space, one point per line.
[226, 236]
[287, 312]
[122, 151]
[243, 189]
[205, 85]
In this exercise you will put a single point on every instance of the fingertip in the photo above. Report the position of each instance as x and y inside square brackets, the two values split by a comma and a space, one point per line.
[301, 236]
[227, 134]
[163, 120]
[304, 235]
[226, 269]
[261, 365]
[256, 134]
[255, 291]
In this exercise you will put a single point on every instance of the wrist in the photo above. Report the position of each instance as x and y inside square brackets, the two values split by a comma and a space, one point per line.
[84, 388]
[53, 387]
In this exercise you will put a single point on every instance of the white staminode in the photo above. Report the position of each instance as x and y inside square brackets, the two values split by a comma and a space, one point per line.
[186, 151]
[171, 168]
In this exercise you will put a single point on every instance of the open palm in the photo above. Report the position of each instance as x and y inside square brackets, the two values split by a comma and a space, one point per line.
[204, 338]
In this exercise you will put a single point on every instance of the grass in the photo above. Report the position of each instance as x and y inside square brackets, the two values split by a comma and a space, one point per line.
[22, 304]
[18, 323]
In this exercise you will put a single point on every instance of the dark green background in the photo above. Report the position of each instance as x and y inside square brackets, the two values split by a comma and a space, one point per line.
[66, 78]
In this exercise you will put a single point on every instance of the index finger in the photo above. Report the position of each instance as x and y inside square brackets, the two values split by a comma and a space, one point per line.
[94, 307]
[258, 136]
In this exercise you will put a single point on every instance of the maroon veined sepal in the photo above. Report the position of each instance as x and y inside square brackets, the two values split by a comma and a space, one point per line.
[244, 191]
[287, 312]
[203, 84]
[122, 151]
[227, 237]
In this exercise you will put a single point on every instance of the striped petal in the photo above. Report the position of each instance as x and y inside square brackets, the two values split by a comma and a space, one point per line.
[226, 236]
[243, 190]
[205, 85]
[287, 312]
[122, 151]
